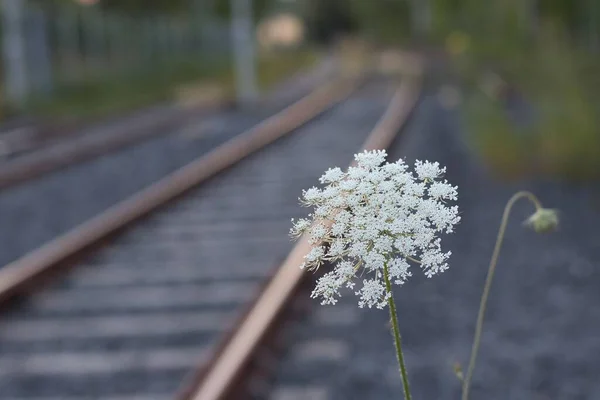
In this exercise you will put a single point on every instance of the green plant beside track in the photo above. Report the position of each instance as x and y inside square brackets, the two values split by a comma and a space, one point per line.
[560, 84]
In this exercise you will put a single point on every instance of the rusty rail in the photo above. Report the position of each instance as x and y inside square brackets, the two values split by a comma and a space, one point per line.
[55, 156]
[30, 270]
[223, 375]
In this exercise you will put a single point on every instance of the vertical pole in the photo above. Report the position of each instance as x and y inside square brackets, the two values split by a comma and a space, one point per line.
[108, 39]
[206, 26]
[15, 66]
[421, 18]
[197, 24]
[121, 42]
[161, 36]
[67, 41]
[103, 39]
[111, 25]
[594, 43]
[92, 41]
[172, 37]
[149, 36]
[244, 50]
[163, 42]
[38, 49]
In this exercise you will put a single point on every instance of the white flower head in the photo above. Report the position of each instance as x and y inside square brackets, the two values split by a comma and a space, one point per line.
[377, 217]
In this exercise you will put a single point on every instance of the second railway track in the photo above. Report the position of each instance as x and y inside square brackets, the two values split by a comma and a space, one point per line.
[145, 310]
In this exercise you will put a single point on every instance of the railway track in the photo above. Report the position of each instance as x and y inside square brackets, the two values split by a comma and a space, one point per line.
[29, 152]
[149, 303]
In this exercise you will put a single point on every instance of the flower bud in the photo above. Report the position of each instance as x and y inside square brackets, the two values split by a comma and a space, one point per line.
[543, 220]
[458, 371]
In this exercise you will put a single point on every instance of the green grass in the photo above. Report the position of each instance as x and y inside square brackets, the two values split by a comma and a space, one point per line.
[96, 98]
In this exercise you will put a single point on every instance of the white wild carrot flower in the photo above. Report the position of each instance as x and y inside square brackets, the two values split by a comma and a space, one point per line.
[376, 215]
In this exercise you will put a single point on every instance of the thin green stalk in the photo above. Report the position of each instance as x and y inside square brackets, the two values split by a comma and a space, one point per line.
[396, 330]
[488, 283]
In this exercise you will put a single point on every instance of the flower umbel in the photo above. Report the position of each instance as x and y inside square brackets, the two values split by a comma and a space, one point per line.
[373, 216]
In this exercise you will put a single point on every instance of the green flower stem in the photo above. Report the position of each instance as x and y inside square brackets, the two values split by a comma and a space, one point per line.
[488, 283]
[396, 330]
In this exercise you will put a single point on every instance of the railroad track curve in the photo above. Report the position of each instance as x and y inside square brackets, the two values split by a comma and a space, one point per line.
[149, 303]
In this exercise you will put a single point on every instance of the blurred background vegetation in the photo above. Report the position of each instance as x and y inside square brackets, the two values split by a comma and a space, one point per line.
[92, 58]
[527, 69]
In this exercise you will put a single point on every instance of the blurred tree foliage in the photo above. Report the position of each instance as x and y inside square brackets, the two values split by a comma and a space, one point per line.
[222, 8]
[545, 54]
[146, 6]
[219, 8]
[127, 6]
[328, 19]
[386, 21]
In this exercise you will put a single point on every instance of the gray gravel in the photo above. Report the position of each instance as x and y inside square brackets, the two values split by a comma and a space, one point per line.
[541, 337]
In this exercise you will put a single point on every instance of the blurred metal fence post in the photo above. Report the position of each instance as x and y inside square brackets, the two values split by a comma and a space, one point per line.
[171, 37]
[150, 41]
[67, 42]
[93, 37]
[116, 42]
[37, 47]
[593, 40]
[244, 50]
[120, 38]
[163, 35]
[15, 66]
[421, 18]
